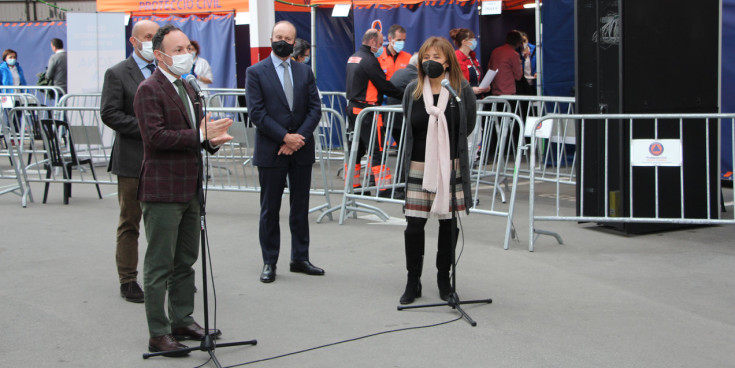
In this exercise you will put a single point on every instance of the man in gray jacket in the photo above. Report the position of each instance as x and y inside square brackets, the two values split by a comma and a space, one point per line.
[56, 70]
[116, 109]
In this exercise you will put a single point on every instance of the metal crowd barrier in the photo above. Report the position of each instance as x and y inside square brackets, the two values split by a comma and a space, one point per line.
[383, 189]
[92, 99]
[555, 142]
[334, 128]
[223, 97]
[9, 144]
[45, 95]
[82, 141]
[490, 171]
[12, 141]
[386, 187]
[231, 168]
[335, 100]
[569, 212]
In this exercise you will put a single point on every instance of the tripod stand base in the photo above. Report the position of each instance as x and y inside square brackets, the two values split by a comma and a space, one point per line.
[207, 345]
[453, 302]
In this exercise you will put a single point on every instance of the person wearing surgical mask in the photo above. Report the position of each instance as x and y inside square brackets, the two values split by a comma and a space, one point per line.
[170, 192]
[116, 110]
[11, 73]
[392, 57]
[466, 43]
[201, 69]
[365, 86]
[301, 51]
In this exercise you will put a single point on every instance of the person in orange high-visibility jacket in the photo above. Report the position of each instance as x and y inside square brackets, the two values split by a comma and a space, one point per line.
[393, 57]
[365, 86]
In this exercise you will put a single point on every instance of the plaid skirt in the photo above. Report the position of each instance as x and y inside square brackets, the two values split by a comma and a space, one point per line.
[419, 201]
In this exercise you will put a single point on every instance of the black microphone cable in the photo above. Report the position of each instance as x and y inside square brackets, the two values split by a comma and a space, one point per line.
[344, 341]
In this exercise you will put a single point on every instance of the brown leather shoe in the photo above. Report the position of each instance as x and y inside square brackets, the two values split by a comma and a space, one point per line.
[166, 343]
[194, 332]
[132, 292]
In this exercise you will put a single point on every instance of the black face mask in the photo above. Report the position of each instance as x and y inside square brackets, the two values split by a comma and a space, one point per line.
[282, 48]
[432, 68]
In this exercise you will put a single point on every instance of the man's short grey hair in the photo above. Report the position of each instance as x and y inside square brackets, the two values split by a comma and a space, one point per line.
[414, 60]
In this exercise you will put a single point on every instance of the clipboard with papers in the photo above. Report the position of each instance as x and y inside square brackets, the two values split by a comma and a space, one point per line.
[489, 76]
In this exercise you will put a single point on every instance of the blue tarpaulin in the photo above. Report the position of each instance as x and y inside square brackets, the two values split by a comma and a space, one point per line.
[421, 21]
[558, 51]
[32, 42]
[728, 83]
[216, 37]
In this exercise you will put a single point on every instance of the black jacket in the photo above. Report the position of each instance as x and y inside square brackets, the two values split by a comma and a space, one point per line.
[366, 83]
[401, 78]
[468, 116]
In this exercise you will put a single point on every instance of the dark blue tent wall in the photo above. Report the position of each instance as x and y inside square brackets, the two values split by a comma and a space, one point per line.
[333, 47]
[216, 37]
[32, 42]
[302, 21]
[727, 104]
[558, 51]
[420, 21]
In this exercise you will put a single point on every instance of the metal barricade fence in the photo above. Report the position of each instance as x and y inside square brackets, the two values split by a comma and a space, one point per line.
[334, 126]
[388, 180]
[10, 142]
[555, 142]
[13, 142]
[385, 185]
[572, 207]
[223, 97]
[335, 100]
[490, 170]
[45, 95]
[83, 141]
[231, 167]
[92, 99]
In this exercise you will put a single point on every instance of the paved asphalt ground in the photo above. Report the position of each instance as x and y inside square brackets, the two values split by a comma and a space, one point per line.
[601, 299]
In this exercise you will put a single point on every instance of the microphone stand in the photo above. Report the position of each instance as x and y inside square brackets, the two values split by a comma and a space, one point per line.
[207, 343]
[453, 300]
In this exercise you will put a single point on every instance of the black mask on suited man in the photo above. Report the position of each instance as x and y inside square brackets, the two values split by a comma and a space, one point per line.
[282, 48]
[432, 68]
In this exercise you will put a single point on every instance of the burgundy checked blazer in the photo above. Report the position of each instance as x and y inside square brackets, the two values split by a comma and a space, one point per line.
[172, 159]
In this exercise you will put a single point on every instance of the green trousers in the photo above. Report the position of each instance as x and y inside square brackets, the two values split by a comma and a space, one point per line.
[172, 230]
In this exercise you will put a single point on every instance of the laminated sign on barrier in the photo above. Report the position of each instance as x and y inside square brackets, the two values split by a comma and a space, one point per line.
[655, 152]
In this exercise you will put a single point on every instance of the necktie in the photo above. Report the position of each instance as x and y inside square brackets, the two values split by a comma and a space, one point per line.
[287, 85]
[184, 98]
[150, 67]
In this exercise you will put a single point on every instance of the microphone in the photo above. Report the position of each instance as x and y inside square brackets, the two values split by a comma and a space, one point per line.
[445, 84]
[192, 80]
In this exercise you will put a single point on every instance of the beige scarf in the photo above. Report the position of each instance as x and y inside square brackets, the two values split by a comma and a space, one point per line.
[437, 163]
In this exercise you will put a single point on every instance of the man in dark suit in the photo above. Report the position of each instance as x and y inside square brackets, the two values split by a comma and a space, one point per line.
[170, 190]
[116, 109]
[284, 105]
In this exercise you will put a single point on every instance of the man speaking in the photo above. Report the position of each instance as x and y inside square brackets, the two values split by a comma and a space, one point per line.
[170, 190]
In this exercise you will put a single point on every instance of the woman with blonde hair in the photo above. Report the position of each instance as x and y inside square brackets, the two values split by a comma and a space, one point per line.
[433, 118]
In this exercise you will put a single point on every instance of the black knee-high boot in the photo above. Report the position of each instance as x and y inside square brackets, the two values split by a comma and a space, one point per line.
[414, 245]
[444, 257]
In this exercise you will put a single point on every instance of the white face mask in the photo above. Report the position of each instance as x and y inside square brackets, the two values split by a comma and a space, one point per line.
[181, 63]
[146, 50]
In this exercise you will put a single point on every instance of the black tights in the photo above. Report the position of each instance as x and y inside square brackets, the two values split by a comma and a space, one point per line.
[414, 237]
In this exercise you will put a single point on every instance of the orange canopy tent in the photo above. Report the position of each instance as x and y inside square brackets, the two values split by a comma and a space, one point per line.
[225, 6]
